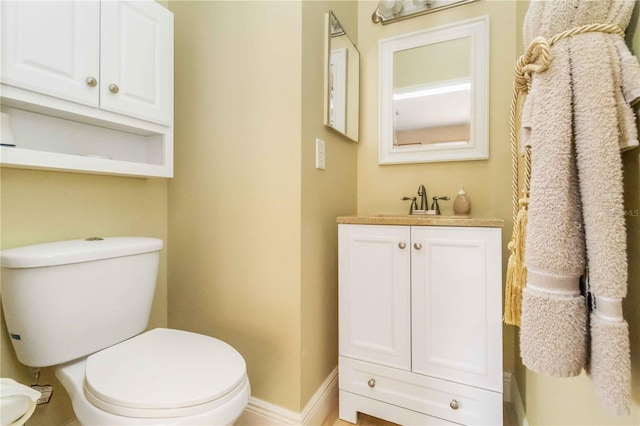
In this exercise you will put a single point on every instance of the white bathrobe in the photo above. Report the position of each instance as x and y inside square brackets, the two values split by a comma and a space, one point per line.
[577, 118]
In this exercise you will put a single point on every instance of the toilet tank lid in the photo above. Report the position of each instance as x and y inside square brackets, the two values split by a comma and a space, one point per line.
[76, 251]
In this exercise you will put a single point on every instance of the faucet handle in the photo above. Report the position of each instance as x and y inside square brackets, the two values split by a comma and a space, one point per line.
[414, 205]
[435, 206]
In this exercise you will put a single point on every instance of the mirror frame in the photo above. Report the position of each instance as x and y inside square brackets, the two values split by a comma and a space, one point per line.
[475, 149]
[352, 90]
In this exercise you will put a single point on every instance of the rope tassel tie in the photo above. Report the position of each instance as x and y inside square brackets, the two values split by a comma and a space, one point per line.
[516, 270]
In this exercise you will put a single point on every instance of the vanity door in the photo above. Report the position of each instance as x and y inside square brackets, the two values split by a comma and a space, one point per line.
[456, 305]
[374, 293]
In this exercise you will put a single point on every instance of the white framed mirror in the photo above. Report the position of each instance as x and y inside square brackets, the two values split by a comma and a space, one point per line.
[341, 80]
[433, 104]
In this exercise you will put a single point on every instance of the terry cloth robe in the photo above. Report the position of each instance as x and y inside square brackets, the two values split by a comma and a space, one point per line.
[577, 118]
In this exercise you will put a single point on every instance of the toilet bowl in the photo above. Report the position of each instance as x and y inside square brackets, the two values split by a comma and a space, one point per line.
[83, 306]
[162, 376]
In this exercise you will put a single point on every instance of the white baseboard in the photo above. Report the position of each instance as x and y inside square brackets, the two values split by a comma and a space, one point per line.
[511, 393]
[262, 413]
[507, 378]
[321, 403]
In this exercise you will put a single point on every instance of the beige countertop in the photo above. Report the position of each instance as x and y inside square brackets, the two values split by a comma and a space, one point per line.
[421, 220]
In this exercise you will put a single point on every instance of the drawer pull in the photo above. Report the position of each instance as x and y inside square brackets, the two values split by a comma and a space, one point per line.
[454, 404]
[402, 246]
[417, 246]
[372, 383]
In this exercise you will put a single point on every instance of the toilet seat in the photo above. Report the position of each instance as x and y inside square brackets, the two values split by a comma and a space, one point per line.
[164, 373]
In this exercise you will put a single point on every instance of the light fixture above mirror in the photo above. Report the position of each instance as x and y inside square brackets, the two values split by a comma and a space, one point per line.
[396, 10]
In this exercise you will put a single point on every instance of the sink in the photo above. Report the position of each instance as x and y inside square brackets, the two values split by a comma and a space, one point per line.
[17, 402]
[425, 215]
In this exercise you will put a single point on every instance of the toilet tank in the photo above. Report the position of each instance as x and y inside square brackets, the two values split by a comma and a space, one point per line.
[68, 299]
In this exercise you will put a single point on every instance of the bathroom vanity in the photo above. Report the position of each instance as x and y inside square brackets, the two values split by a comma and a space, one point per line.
[420, 330]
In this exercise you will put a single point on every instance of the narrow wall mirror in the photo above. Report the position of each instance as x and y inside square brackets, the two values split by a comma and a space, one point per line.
[433, 102]
[341, 80]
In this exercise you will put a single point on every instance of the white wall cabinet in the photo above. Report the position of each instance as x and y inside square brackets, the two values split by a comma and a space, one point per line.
[106, 64]
[420, 324]
[52, 48]
[136, 65]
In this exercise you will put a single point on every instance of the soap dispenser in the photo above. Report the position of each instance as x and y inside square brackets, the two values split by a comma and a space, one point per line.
[461, 205]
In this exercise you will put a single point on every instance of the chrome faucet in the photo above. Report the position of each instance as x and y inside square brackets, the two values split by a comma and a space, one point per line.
[422, 192]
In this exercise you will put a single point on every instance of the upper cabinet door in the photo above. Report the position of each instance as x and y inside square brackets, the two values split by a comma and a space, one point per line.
[456, 304]
[52, 48]
[137, 60]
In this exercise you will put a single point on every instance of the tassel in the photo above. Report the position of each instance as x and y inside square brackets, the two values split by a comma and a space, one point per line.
[516, 270]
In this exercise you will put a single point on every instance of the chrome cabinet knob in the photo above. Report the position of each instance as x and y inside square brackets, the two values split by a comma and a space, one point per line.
[372, 383]
[91, 81]
[454, 404]
[402, 245]
[417, 246]
[113, 88]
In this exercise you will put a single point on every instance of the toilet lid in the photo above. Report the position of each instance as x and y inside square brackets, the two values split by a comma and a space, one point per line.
[163, 369]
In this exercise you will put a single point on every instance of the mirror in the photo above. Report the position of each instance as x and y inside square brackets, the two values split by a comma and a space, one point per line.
[434, 94]
[341, 80]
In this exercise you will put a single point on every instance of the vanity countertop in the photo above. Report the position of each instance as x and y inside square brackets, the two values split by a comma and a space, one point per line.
[423, 220]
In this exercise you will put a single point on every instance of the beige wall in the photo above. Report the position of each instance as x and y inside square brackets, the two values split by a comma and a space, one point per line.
[433, 63]
[326, 194]
[252, 241]
[487, 182]
[548, 400]
[253, 236]
[235, 258]
[41, 206]
[38, 207]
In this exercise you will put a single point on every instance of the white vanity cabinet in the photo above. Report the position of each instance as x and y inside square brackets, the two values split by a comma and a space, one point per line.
[107, 64]
[420, 330]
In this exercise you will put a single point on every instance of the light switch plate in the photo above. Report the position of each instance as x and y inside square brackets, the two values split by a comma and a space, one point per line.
[320, 154]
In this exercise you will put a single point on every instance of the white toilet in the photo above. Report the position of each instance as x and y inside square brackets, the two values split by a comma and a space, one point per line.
[82, 304]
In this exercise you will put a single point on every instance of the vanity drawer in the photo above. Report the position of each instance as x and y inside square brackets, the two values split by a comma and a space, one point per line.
[440, 398]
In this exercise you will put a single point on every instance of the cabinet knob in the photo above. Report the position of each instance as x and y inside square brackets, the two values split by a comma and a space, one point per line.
[91, 81]
[113, 88]
[372, 383]
[454, 404]
[417, 246]
[402, 245]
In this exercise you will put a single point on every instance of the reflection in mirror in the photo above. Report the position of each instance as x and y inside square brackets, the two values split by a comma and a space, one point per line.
[342, 80]
[433, 94]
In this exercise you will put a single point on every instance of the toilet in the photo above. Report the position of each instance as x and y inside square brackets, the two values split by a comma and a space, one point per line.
[83, 306]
